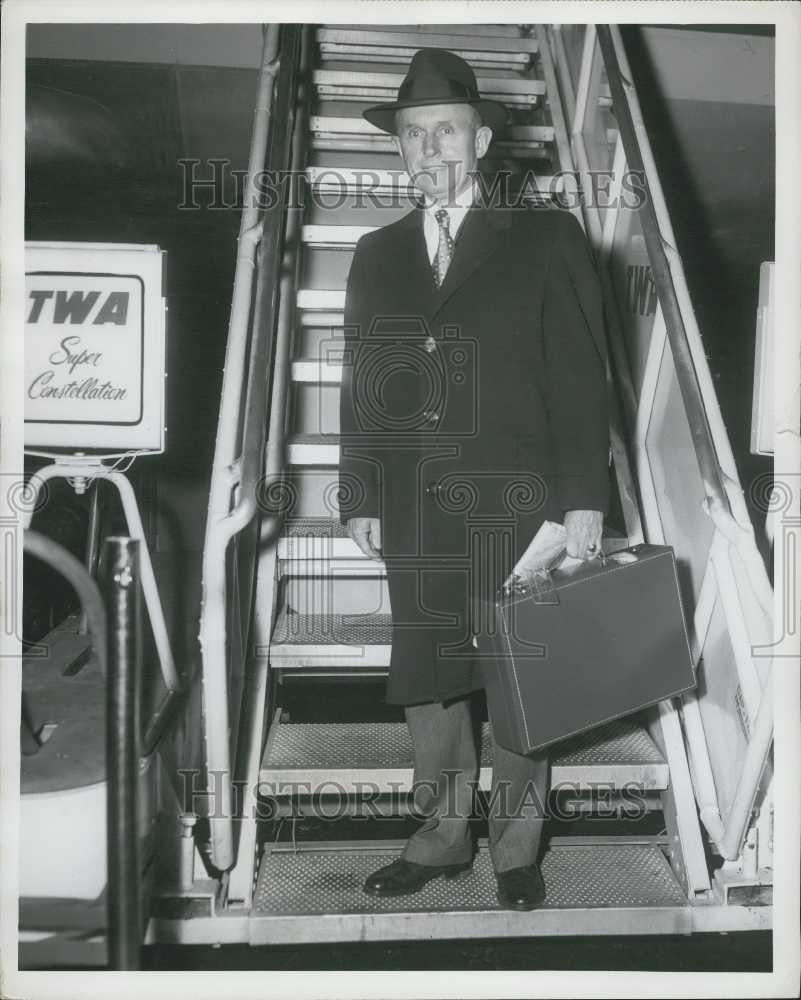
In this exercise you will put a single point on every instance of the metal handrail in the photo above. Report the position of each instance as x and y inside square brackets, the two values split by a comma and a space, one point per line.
[250, 729]
[724, 500]
[246, 366]
[725, 503]
[686, 376]
[267, 298]
[557, 77]
[719, 487]
[276, 443]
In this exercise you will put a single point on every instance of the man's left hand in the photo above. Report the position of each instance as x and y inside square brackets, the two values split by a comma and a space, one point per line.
[584, 530]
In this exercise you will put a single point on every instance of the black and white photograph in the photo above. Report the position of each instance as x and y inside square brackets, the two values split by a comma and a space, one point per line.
[399, 488]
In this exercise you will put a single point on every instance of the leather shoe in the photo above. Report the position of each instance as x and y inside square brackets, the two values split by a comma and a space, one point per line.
[402, 877]
[521, 888]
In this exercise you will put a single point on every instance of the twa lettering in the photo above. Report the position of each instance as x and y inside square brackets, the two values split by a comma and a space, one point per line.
[75, 307]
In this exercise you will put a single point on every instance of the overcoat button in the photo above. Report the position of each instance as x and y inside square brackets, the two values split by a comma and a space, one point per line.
[430, 344]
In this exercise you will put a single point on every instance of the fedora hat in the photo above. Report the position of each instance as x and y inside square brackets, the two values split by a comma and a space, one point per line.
[436, 76]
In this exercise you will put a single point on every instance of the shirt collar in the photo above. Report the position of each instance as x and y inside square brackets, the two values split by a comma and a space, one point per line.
[461, 201]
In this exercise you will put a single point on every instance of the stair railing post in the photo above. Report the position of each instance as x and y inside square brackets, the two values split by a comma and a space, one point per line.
[123, 598]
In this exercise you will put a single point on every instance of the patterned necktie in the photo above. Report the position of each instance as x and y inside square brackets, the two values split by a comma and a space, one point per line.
[444, 253]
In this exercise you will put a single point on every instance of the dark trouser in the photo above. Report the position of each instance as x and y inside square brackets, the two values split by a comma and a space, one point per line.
[446, 766]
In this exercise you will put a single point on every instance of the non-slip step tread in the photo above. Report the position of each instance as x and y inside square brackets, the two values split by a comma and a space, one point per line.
[351, 745]
[314, 527]
[295, 628]
[311, 754]
[329, 882]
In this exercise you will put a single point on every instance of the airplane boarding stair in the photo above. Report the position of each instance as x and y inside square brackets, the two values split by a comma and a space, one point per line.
[319, 613]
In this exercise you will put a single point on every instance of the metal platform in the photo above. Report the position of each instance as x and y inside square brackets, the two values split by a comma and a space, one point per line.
[307, 758]
[315, 894]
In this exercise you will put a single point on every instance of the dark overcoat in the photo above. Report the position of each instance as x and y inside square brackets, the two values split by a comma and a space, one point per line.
[468, 415]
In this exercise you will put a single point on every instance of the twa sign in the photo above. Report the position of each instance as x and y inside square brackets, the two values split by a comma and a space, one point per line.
[94, 346]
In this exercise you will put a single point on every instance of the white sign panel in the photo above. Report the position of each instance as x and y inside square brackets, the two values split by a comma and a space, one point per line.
[94, 346]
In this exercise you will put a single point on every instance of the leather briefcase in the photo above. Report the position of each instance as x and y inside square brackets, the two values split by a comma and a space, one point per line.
[566, 651]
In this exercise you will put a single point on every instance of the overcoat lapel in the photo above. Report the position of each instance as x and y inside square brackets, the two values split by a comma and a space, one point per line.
[418, 278]
[477, 239]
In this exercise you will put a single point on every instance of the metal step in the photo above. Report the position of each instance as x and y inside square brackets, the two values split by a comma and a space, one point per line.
[352, 643]
[330, 300]
[350, 180]
[303, 758]
[327, 567]
[319, 318]
[315, 894]
[316, 372]
[377, 45]
[307, 531]
[471, 30]
[334, 237]
[393, 183]
[313, 449]
[351, 85]
[322, 546]
[359, 135]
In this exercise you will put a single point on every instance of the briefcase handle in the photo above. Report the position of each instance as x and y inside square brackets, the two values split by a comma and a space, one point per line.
[540, 585]
[560, 557]
[542, 588]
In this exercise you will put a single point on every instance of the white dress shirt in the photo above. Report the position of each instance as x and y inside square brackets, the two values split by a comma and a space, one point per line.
[456, 213]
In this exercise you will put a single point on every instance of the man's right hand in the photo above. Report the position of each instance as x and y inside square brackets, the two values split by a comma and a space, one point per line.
[366, 532]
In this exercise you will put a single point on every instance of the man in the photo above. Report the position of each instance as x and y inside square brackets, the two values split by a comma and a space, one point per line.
[473, 407]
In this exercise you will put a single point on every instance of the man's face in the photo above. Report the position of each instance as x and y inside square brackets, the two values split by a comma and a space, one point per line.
[440, 145]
